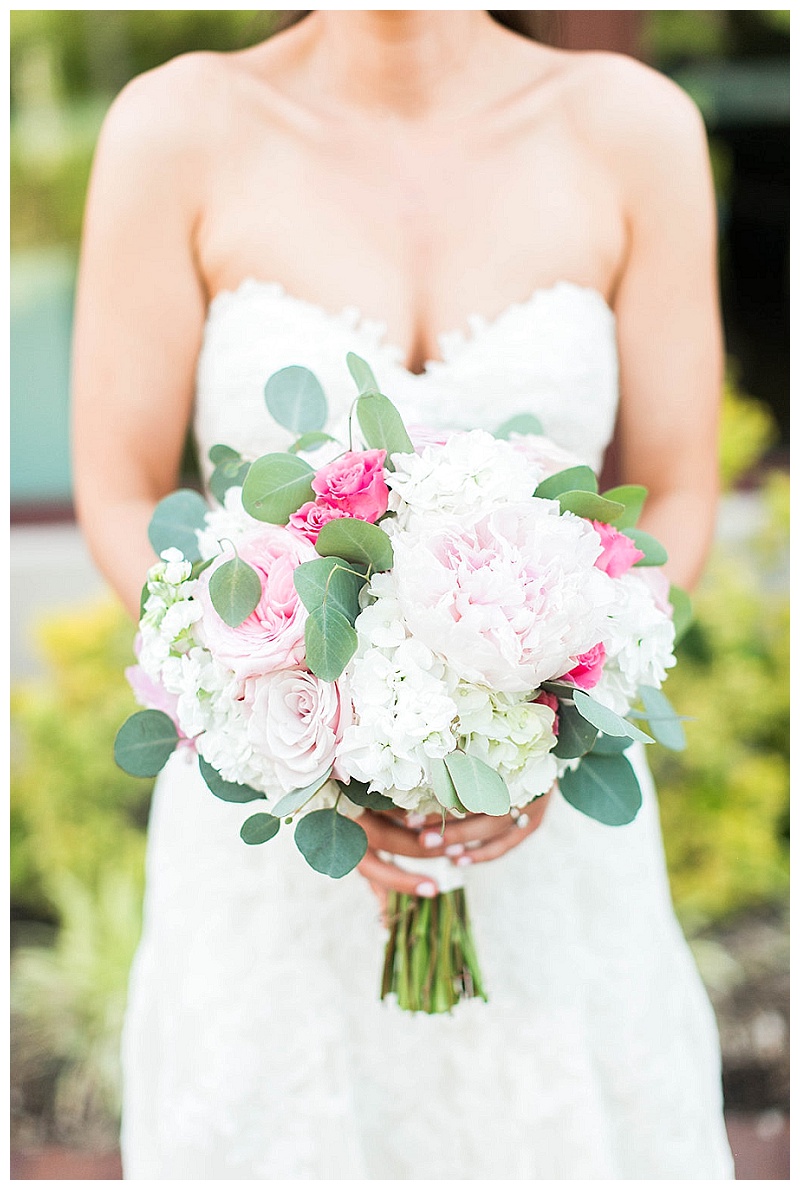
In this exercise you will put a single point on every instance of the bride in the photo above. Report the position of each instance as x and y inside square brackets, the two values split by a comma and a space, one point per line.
[496, 226]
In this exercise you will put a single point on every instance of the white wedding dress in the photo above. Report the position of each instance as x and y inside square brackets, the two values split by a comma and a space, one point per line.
[255, 1044]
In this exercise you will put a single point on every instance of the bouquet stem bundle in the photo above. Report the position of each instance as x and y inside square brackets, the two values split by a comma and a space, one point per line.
[430, 962]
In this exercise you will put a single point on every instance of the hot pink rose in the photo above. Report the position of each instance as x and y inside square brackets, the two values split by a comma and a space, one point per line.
[354, 483]
[272, 636]
[619, 552]
[310, 517]
[589, 669]
[549, 700]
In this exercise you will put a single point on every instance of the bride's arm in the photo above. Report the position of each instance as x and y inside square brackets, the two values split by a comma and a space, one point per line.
[138, 326]
[668, 320]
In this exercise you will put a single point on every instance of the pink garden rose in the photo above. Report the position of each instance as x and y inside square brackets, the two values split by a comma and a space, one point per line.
[310, 517]
[589, 668]
[272, 636]
[297, 721]
[549, 700]
[355, 484]
[619, 552]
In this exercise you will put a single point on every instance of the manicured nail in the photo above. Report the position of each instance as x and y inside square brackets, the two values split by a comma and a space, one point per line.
[415, 820]
[454, 849]
[431, 839]
[463, 860]
[426, 889]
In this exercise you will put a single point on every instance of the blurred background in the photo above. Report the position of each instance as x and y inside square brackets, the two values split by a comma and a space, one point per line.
[78, 822]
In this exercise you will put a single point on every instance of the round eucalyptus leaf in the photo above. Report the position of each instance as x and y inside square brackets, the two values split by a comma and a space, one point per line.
[590, 505]
[175, 522]
[330, 642]
[356, 541]
[443, 786]
[654, 552]
[230, 474]
[331, 843]
[235, 591]
[662, 718]
[298, 797]
[611, 745]
[575, 734]
[331, 581]
[604, 788]
[382, 426]
[478, 787]
[145, 742]
[572, 479]
[296, 400]
[606, 720]
[307, 443]
[275, 487]
[259, 828]
[522, 423]
[632, 496]
[358, 792]
[362, 373]
[223, 454]
[227, 791]
[682, 614]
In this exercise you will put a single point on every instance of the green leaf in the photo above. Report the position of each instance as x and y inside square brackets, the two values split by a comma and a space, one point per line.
[356, 541]
[662, 718]
[228, 474]
[590, 505]
[382, 426]
[235, 591]
[444, 788]
[144, 596]
[682, 614]
[604, 788]
[478, 787]
[276, 486]
[298, 797]
[331, 843]
[607, 721]
[358, 793]
[175, 521]
[307, 443]
[259, 828]
[575, 734]
[296, 400]
[332, 581]
[330, 642]
[362, 373]
[573, 479]
[522, 423]
[632, 496]
[654, 552]
[610, 745]
[223, 454]
[145, 742]
[227, 791]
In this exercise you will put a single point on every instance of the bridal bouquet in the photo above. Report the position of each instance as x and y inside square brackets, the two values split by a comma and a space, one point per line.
[446, 625]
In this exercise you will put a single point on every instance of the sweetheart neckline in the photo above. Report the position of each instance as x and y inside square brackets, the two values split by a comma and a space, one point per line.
[477, 324]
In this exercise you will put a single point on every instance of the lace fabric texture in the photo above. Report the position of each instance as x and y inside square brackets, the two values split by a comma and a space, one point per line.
[255, 1045]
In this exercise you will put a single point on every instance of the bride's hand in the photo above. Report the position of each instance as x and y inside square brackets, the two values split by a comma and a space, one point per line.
[466, 841]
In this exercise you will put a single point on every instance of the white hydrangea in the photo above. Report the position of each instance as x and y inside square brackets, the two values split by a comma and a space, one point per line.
[639, 638]
[512, 735]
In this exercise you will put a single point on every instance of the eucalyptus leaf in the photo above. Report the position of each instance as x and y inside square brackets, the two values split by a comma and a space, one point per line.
[143, 598]
[331, 581]
[604, 788]
[478, 787]
[682, 614]
[175, 522]
[632, 496]
[259, 828]
[296, 400]
[228, 474]
[298, 797]
[590, 505]
[606, 720]
[227, 791]
[654, 552]
[358, 792]
[522, 423]
[312, 441]
[362, 373]
[572, 479]
[575, 734]
[235, 591]
[356, 541]
[330, 642]
[610, 745]
[145, 742]
[382, 426]
[662, 718]
[275, 487]
[444, 788]
[331, 843]
[223, 454]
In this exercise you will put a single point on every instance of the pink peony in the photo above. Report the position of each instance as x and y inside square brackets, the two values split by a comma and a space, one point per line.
[355, 484]
[619, 552]
[589, 668]
[272, 636]
[310, 517]
[549, 700]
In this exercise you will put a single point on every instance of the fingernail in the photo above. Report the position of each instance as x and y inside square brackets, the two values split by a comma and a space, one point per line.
[463, 860]
[431, 840]
[426, 889]
[414, 820]
[454, 849]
